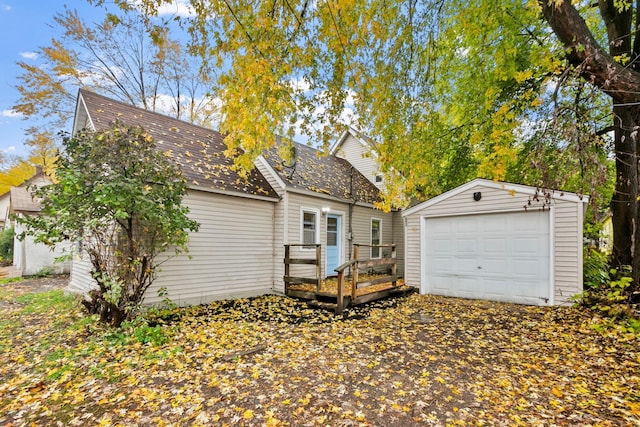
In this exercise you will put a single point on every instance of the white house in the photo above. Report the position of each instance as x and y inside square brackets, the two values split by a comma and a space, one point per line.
[245, 223]
[29, 257]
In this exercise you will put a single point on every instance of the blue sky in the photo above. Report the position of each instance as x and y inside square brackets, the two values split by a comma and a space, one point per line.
[25, 25]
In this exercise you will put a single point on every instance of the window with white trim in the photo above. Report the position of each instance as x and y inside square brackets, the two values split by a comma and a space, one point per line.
[309, 227]
[376, 237]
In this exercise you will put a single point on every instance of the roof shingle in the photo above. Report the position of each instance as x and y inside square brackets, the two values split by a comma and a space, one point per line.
[326, 174]
[198, 151]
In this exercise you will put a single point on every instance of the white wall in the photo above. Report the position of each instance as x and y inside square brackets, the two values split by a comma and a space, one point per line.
[31, 258]
[361, 157]
[231, 255]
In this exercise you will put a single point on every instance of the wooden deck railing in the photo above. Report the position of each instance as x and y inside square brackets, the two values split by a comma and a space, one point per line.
[358, 265]
[288, 261]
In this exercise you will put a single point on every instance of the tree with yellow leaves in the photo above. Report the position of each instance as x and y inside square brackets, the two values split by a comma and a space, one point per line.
[449, 89]
[122, 57]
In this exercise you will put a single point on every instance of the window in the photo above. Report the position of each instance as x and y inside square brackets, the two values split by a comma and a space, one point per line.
[376, 232]
[378, 178]
[332, 231]
[309, 227]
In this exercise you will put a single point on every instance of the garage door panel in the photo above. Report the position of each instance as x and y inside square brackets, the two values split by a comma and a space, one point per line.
[503, 257]
[466, 246]
[441, 245]
[442, 265]
[529, 246]
[465, 266]
[492, 267]
[466, 225]
[494, 246]
[494, 225]
[495, 289]
[527, 269]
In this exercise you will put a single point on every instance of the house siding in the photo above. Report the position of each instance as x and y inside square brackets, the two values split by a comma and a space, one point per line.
[360, 157]
[361, 230]
[566, 222]
[230, 256]
[398, 239]
[413, 257]
[567, 251]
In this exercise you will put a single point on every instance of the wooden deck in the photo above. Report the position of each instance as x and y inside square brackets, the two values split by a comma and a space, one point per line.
[339, 292]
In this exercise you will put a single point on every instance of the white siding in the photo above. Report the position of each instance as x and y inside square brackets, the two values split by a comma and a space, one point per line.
[361, 230]
[295, 203]
[80, 280]
[398, 239]
[412, 256]
[278, 226]
[31, 258]
[5, 222]
[361, 157]
[567, 251]
[231, 255]
[566, 227]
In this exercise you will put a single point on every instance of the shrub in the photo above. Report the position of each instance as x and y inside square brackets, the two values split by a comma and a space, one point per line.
[6, 244]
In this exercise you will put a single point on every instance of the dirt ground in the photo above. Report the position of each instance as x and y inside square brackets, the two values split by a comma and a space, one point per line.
[274, 361]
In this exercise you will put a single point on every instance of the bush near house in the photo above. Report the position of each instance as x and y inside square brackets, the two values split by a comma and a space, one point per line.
[6, 246]
[122, 198]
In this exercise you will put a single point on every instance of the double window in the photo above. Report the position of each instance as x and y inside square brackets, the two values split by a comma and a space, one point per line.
[376, 237]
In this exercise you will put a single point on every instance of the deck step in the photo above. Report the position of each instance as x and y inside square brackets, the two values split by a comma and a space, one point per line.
[403, 290]
[324, 305]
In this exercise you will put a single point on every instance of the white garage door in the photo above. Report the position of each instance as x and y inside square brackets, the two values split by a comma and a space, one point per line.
[500, 257]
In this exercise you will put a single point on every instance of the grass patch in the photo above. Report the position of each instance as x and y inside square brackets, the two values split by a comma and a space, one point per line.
[11, 280]
[47, 301]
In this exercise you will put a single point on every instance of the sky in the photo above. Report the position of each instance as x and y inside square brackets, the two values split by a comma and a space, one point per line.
[25, 25]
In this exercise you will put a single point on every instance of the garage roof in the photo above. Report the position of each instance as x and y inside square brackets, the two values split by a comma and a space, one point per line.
[507, 187]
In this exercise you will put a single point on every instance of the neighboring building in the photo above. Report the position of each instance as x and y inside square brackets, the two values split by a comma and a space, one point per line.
[5, 201]
[29, 257]
[497, 241]
[245, 223]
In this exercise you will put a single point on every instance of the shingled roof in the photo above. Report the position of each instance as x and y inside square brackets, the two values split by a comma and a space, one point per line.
[326, 174]
[199, 151]
[23, 201]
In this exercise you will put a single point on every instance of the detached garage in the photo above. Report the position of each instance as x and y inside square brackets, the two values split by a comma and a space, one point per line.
[497, 241]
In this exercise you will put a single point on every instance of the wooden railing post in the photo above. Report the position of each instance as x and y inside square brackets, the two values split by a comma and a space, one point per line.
[318, 267]
[354, 275]
[287, 252]
[340, 296]
[394, 265]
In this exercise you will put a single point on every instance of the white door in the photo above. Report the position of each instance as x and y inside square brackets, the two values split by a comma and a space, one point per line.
[500, 257]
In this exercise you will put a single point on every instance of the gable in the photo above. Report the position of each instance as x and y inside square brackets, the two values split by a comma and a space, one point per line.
[359, 151]
[197, 150]
[506, 195]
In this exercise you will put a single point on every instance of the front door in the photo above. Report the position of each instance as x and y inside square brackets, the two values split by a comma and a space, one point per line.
[333, 244]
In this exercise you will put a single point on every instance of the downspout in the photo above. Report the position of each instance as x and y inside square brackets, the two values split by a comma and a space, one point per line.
[350, 235]
[273, 248]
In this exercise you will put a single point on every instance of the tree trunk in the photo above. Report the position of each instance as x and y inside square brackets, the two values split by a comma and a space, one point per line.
[598, 66]
[624, 204]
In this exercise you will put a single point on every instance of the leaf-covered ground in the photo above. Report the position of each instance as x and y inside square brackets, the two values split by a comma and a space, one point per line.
[421, 360]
